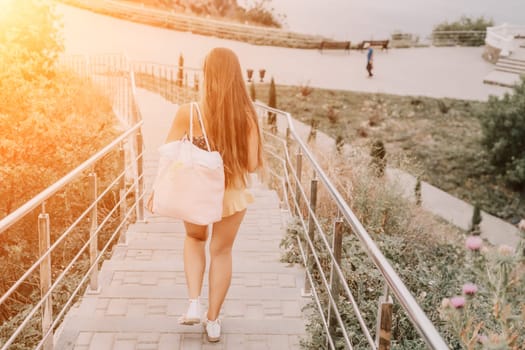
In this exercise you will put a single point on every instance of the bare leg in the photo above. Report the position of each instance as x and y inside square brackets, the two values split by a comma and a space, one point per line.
[194, 258]
[222, 239]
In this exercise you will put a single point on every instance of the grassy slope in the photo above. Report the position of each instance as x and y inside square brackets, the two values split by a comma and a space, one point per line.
[439, 137]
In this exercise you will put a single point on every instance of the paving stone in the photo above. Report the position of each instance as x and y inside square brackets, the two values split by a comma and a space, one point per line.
[169, 342]
[101, 341]
[81, 347]
[84, 338]
[117, 307]
[191, 342]
[124, 345]
[148, 338]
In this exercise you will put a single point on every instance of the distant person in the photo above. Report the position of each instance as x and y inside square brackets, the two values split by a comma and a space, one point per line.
[369, 59]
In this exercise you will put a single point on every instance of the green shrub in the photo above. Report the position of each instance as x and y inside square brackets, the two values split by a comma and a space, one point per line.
[419, 247]
[503, 126]
[461, 32]
[30, 41]
[378, 153]
[272, 102]
[465, 23]
[260, 13]
[417, 191]
[476, 220]
[50, 122]
[180, 71]
[488, 311]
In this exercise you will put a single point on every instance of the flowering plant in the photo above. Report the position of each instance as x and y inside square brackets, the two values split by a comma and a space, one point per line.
[490, 313]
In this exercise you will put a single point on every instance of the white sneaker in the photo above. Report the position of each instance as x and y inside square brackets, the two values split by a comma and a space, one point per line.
[193, 314]
[213, 330]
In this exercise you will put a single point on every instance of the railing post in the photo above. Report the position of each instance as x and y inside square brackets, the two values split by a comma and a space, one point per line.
[298, 168]
[337, 245]
[122, 193]
[44, 241]
[172, 88]
[140, 176]
[93, 245]
[384, 321]
[288, 137]
[307, 291]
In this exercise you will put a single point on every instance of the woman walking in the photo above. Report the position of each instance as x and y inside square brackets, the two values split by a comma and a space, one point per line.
[230, 122]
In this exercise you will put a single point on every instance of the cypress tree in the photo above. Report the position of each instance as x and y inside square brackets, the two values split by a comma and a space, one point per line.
[272, 102]
[180, 72]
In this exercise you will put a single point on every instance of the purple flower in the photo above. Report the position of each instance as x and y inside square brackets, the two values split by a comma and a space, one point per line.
[482, 338]
[470, 289]
[474, 243]
[457, 302]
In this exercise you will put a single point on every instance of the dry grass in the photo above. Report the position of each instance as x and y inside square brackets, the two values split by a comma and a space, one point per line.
[439, 137]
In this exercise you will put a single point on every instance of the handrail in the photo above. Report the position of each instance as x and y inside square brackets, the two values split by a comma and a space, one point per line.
[123, 102]
[34, 202]
[419, 319]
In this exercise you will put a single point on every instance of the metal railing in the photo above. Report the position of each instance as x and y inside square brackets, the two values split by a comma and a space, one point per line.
[289, 174]
[458, 38]
[174, 83]
[128, 182]
[502, 37]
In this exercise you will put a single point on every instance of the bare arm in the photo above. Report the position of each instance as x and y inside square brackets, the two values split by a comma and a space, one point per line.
[253, 149]
[180, 125]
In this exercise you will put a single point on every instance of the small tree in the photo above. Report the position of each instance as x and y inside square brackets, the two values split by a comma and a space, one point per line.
[417, 191]
[476, 220]
[503, 126]
[30, 39]
[339, 143]
[378, 154]
[461, 32]
[180, 72]
[272, 102]
[252, 91]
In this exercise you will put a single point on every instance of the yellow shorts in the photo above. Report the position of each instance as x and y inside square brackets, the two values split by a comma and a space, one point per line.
[235, 199]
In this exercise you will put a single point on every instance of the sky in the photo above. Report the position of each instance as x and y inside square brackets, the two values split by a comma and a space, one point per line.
[376, 19]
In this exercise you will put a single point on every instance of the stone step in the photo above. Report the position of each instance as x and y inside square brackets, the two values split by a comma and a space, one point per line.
[518, 55]
[284, 278]
[250, 242]
[511, 64]
[505, 79]
[176, 255]
[512, 70]
[236, 335]
[180, 293]
[169, 324]
[239, 266]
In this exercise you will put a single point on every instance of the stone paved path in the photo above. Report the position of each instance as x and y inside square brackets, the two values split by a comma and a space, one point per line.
[143, 287]
[453, 72]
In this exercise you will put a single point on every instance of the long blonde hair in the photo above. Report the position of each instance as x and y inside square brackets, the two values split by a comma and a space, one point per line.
[229, 114]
